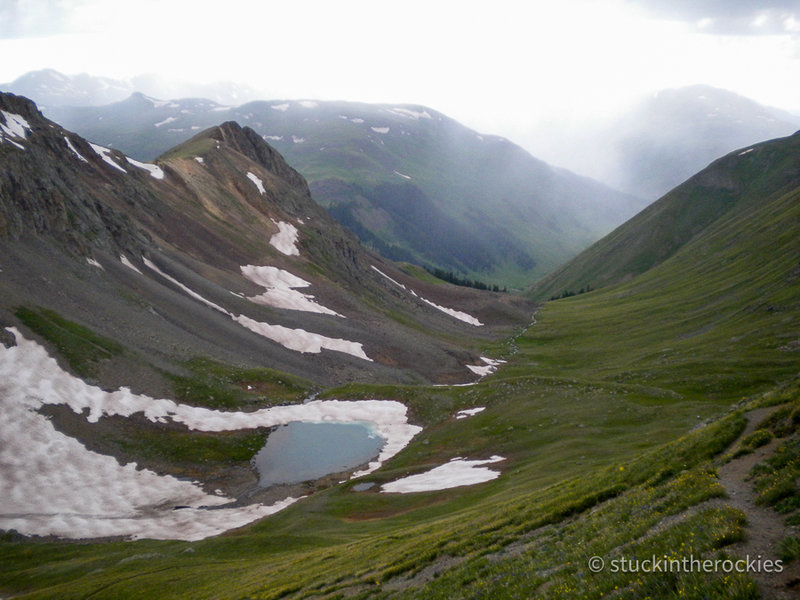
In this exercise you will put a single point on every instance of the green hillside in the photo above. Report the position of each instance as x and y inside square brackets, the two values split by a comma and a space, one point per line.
[621, 415]
[733, 185]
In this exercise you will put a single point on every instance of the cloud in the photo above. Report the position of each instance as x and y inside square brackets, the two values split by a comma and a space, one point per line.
[34, 18]
[729, 17]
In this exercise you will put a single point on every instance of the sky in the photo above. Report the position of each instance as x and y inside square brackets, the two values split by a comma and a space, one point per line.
[502, 67]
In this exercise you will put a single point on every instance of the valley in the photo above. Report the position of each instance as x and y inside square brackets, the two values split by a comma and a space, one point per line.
[162, 318]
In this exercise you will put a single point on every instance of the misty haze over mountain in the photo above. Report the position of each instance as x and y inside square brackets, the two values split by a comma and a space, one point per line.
[645, 150]
[49, 88]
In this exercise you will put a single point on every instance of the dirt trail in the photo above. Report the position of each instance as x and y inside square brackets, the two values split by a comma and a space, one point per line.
[765, 528]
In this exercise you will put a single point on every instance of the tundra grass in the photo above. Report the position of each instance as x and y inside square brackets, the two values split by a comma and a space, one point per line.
[79, 346]
[608, 414]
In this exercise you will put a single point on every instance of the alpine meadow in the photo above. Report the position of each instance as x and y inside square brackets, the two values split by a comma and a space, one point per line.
[291, 348]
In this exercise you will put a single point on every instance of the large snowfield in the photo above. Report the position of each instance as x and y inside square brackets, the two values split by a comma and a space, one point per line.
[53, 485]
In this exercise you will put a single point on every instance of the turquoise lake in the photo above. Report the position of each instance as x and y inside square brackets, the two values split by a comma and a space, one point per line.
[302, 451]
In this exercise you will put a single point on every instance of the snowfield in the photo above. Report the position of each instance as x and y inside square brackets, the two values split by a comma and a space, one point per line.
[16, 125]
[486, 369]
[298, 340]
[155, 171]
[105, 154]
[125, 261]
[257, 181]
[469, 412]
[285, 241]
[53, 485]
[74, 150]
[456, 314]
[456, 473]
[280, 292]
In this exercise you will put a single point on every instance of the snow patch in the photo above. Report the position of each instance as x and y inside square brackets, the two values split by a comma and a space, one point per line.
[469, 412]
[53, 485]
[746, 151]
[298, 340]
[281, 107]
[155, 171]
[285, 240]
[280, 292]
[94, 263]
[124, 260]
[301, 340]
[486, 369]
[199, 159]
[308, 104]
[455, 473]
[74, 150]
[15, 125]
[257, 181]
[456, 314]
[398, 173]
[380, 129]
[165, 121]
[298, 140]
[276, 138]
[357, 120]
[105, 154]
[410, 114]
[12, 142]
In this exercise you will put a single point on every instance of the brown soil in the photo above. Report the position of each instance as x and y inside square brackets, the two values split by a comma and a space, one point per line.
[765, 528]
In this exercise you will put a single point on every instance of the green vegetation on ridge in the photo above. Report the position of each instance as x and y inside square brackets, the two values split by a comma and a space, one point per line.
[614, 414]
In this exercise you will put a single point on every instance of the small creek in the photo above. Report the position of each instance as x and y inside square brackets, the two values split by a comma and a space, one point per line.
[304, 451]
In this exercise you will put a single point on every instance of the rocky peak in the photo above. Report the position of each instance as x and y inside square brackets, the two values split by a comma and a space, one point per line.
[20, 105]
[248, 142]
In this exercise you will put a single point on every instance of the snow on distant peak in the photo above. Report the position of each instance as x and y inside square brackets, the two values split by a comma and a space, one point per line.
[281, 107]
[165, 121]
[298, 140]
[285, 240]
[155, 102]
[199, 159]
[357, 120]
[399, 174]
[280, 292]
[15, 125]
[105, 154]
[410, 114]
[380, 129]
[257, 181]
[155, 171]
[309, 104]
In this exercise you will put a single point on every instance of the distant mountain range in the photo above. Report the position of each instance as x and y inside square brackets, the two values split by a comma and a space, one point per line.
[676, 133]
[50, 88]
[413, 184]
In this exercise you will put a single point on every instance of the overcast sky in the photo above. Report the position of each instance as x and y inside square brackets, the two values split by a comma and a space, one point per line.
[498, 66]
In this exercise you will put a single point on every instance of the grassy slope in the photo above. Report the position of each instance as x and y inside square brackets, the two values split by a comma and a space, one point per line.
[595, 414]
[592, 411]
[733, 183]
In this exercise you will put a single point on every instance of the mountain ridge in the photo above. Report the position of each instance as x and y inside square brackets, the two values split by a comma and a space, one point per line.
[179, 232]
[730, 183]
[486, 207]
